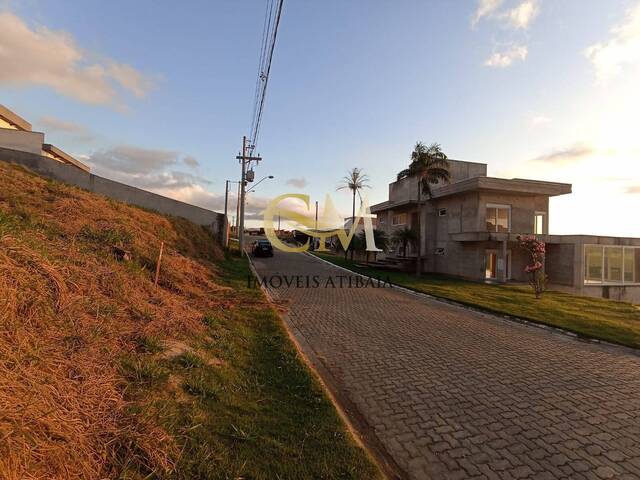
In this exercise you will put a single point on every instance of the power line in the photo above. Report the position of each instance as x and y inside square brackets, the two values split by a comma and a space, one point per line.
[266, 28]
[264, 68]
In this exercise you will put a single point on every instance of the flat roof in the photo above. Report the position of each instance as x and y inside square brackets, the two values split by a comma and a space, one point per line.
[514, 185]
[47, 147]
[14, 119]
[378, 207]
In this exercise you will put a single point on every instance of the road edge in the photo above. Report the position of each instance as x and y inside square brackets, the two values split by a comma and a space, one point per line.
[363, 434]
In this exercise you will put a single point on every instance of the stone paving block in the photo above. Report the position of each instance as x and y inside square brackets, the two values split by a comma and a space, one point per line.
[445, 387]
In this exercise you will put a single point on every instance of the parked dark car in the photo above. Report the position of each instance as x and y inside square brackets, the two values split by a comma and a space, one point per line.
[262, 248]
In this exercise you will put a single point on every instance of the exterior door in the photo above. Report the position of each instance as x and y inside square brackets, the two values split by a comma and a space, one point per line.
[491, 264]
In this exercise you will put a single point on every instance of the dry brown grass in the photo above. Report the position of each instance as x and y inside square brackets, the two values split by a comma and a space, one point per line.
[69, 309]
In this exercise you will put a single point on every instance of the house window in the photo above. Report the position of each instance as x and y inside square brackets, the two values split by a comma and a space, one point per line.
[498, 218]
[611, 264]
[442, 212]
[631, 259]
[592, 264]
[399, 219]
[538, 223]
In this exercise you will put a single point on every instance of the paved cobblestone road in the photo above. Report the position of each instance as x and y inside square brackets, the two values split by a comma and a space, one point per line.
[452, 393]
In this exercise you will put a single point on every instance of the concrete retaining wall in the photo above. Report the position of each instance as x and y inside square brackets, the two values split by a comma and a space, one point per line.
[115, 190]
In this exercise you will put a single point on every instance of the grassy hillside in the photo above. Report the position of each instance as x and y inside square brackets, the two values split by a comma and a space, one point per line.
[103, 375]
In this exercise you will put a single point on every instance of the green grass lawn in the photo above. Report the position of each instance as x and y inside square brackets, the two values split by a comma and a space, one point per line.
[598, 318]
[243, 404]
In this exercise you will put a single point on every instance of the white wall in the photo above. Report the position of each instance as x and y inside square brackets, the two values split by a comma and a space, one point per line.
[30, 142]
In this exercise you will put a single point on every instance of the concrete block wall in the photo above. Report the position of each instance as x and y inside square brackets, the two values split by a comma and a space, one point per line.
[115, 190]
[560, 264]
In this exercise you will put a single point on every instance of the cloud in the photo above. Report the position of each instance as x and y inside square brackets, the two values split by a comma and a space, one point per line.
[621, 50]
[134, 160]
[53, 124]
[506, 58]
[539, 120]
[191, 161]
[566, 155]
[150, 169]
[44, 57]
[129, 78]
[518, 17]
[485, 8]
[635, 190]
[172, 180]
[198, 195]
[297, 182]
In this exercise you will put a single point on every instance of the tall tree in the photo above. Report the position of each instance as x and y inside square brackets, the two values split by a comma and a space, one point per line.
[355, 181]
[429, 165]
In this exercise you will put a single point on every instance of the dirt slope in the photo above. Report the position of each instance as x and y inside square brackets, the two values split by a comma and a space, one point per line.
[70, 307]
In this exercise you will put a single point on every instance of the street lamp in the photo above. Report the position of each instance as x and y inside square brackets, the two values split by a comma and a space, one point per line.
[253, 189]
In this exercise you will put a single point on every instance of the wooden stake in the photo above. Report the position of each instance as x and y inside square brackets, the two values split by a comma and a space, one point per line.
[158, 264]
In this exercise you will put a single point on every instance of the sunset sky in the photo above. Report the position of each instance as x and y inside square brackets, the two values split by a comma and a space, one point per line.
[159, 94]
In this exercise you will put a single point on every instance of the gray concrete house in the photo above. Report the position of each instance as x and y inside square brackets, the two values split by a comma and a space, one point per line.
[469, 230]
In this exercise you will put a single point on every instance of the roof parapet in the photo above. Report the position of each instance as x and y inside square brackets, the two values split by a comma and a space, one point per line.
[514, 185]
[55, 151]
[14, 119]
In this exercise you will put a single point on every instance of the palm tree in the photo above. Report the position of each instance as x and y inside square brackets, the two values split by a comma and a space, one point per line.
[355, 181]
[430, 166]
[380, 239]
[404, 237]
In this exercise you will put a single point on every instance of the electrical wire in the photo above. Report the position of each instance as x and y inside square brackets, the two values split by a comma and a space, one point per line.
[270, 33]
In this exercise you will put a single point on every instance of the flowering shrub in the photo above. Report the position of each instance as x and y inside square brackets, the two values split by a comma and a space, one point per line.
[537, 251]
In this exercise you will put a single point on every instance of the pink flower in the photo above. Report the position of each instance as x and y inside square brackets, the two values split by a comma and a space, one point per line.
[534, 267]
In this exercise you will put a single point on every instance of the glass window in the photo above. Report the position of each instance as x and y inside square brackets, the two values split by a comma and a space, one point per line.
[538, 227]
[399, 219]
[592, 264]
[631, 259]
[491, 219]
[498, 218]
[612, 264]
[503, 219]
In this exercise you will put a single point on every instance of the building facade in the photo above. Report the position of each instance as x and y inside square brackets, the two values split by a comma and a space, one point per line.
[469, 229]
[16, 134]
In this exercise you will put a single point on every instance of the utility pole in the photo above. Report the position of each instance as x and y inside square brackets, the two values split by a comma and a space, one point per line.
[244, 161]
[237, 209]
[314, 241]
[226, 219]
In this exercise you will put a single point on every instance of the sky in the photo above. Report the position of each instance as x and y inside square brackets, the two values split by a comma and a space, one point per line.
[158, 94]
